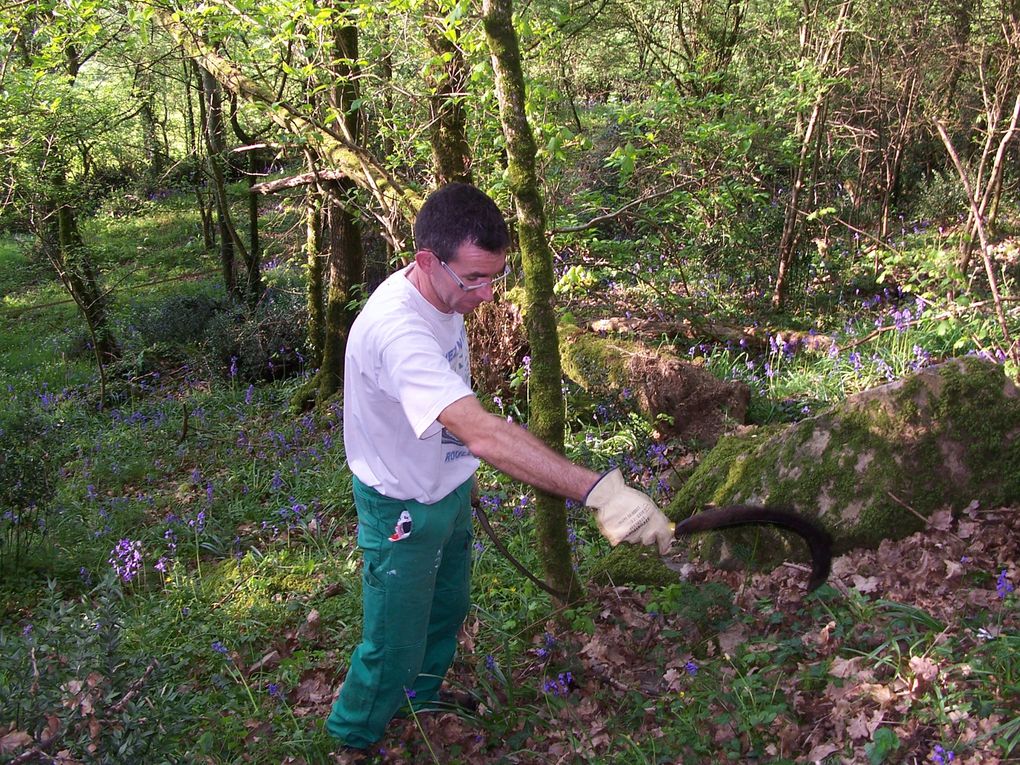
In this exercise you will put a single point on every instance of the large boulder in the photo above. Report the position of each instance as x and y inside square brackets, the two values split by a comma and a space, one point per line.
[683, 400]
[872, 467]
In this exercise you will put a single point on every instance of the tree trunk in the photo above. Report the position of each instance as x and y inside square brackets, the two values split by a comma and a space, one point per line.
[253, 256]
[155, 158]
[212, 129]
[345, 265]
[829, 56]
[63, 246]
[195, 150]
[546, 420]
[451, 154]
[315, 275]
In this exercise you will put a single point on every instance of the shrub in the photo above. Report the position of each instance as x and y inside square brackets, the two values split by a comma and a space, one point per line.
[261, 343]
[28, 442]
[177, 319]
[940, 197]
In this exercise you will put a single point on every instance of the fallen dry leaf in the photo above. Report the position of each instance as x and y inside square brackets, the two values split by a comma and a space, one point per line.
[14, 740]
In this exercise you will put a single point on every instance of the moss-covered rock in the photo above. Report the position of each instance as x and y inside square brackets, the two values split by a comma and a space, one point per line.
[870, 468]
[632, 564]
[682, 399]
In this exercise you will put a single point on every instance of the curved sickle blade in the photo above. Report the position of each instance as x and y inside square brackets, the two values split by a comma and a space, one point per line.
[819, 541]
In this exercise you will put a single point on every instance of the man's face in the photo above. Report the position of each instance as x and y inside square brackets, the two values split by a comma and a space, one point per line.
[470, 266]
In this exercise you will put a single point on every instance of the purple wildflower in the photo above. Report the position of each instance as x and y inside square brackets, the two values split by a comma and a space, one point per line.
[126, 559]
[560, 686]
[1002, 585]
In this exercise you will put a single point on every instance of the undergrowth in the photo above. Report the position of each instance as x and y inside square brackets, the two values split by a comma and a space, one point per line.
[181, 581]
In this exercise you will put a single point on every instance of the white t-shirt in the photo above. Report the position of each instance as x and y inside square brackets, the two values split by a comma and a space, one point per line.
[406, 362]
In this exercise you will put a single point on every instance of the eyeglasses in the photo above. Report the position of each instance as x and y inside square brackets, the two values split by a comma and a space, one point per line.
[471, 288]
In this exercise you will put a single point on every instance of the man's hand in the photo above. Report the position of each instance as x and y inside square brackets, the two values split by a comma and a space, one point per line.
[626, 515]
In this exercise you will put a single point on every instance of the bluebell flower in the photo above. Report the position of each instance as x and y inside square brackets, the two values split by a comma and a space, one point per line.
[126, 559]
[560, 686]
[1002, 585]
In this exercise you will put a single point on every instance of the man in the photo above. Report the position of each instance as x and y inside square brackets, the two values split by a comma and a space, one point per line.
[414, 433]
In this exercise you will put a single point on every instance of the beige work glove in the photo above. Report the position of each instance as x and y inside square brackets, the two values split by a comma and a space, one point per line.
[626, 515]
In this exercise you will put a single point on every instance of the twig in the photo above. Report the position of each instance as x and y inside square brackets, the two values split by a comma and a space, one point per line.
[797, 566]
[35, 673]
[924, 520]
[615, 214]
[184, 423]
[135, 687]
[30, 754]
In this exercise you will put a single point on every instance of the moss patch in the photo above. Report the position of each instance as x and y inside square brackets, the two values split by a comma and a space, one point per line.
[632, 564]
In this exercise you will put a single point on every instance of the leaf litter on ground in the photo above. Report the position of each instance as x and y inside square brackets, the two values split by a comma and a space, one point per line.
[874, 692]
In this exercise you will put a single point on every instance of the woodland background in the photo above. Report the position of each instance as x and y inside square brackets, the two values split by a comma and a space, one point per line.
[197, 198]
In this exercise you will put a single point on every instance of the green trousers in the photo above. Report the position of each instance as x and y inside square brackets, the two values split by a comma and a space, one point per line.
[416, 576]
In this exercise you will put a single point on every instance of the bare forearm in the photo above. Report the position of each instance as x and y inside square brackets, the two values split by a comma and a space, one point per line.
[521, 455]
[515, 451]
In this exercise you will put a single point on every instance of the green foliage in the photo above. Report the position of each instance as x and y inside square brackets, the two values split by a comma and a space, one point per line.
[709, 606]
[260, 343]
[99, 695]
[179, 319]
[31, 450]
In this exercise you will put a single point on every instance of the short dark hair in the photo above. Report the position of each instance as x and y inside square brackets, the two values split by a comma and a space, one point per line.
[456, 214]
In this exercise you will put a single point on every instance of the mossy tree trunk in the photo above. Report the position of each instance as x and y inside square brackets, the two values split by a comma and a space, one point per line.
[216, 146]
[345, 265]
[62, 244]
[253, 286]
[545, 386]
[447, 76]
[315, 275]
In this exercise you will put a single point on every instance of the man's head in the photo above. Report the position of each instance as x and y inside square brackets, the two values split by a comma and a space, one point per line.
[461, 241]
[459, 214]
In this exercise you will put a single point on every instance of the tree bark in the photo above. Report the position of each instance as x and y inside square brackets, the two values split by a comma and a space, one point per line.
[345, 264]
[451, 154]
[315, 276]
[546, 420]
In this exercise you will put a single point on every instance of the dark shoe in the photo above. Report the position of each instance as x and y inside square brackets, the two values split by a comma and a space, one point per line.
[458, 701]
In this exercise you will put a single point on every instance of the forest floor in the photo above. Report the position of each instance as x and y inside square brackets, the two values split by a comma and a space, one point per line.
[938, 579]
